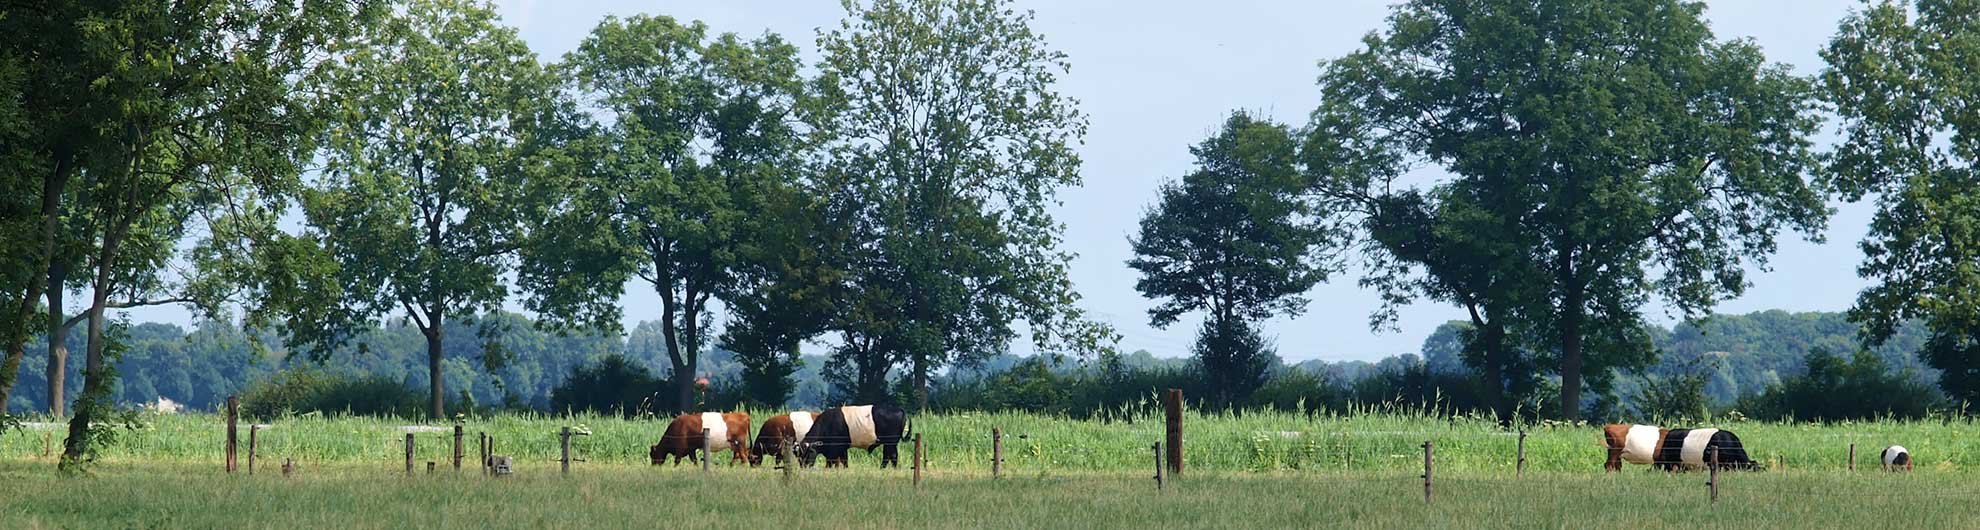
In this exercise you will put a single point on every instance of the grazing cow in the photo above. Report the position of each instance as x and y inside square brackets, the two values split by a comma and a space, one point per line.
[1672, 449]
[683, 437]
[776, 431]
[1896, 458]
[841, 429]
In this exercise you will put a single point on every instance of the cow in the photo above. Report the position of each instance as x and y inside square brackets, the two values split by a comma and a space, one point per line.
[1673, 449]
[841, 429]
[780, 428]
[683, 437]
[1896, 458]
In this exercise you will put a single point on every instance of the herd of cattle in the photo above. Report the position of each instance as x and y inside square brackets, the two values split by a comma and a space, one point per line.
[1683, 449]
[831, 433]
[836, 431]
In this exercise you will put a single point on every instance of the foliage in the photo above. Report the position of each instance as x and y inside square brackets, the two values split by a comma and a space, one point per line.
[1234, 359]
[949, 184]
[1677, 397]
[1834, 388]
[697, 132]
[1610, 151]
[1900, 77]
[317, 391]
[615, 385]
[419, 200]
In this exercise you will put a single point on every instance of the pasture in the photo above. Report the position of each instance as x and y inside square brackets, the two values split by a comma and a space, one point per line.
[1261, 470]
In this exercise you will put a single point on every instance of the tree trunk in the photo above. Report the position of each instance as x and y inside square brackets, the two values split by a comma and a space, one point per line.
[436, 384]
[683, 376]
[1496, 360]
[921, 381]
[51, 201]
[77, 443]
[1571, 314]
[58, 342]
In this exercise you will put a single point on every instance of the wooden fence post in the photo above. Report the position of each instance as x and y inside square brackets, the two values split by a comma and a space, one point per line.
[1852, 458]
[789, 456]
[47, 443]
[564, 441]
[917, 461]
[457, 447]
[409, 454]
[233, 406]
[1712, 481]
[707, 453]
[483, 437]
[1158, 465]
[1519, 468]
[1174, 405]
[996, 452]
[1426, 471]
[252, 431]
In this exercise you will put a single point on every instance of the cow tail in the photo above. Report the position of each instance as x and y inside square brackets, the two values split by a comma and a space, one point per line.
[908, 433]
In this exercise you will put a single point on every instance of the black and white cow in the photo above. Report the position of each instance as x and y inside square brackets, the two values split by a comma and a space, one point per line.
[1896, 458]
[841, 429]
[1673, 449]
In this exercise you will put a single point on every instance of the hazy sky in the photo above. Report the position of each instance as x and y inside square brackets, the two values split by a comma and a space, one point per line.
[1155, 77]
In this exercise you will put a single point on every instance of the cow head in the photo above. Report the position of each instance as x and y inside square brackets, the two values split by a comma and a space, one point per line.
[656, 454]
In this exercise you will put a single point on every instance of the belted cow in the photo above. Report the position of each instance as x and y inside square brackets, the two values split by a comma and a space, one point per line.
[1672, 449]
[728, 430]
[841, 429]
[780, 428]
[1896, 458]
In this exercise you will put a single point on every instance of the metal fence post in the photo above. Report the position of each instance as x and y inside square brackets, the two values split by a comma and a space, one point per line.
[1158, 465]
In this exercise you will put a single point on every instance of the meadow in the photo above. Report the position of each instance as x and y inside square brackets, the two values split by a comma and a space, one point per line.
[1262, 469]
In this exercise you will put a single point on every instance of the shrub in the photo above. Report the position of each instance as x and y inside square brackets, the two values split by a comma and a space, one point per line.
[613, 385]
[1835, 389]
[305, 390]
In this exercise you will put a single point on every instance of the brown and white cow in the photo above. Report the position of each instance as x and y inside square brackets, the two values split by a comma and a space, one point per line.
[1672, 449]
[726, 430]
[780, 428]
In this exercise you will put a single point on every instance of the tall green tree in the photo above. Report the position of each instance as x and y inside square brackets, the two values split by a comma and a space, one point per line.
[187, 108]
[1902, 80]
[1629, 152]
[671, 187]
[417, 208]
[954, 144]
[1231, 239]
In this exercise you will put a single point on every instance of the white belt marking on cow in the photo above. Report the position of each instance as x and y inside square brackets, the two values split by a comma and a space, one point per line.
[800, 422]
[859, 425]
[718, 430]
[1891, 453]
[1640, 445]
[1694, 446]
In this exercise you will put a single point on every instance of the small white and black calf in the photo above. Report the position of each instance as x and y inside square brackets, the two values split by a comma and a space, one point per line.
[1896, 458]
[1673, 449]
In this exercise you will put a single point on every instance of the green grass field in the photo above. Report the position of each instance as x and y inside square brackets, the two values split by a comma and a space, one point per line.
[1261, 470]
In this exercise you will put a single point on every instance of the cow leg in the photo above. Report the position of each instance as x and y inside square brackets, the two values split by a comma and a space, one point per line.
[891, 455]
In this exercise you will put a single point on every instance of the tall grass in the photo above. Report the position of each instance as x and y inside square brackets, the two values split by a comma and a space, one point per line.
[1365, 439]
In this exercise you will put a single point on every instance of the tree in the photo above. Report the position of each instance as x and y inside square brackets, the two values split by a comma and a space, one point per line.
[416, 209]
[952, 144]
[698, 131]
[1610, 151]
[1901, 80]
[1231, 240]
[182, 109]
[1861, 387]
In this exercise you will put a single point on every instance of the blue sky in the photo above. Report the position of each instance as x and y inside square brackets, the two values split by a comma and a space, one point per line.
[1155, 77]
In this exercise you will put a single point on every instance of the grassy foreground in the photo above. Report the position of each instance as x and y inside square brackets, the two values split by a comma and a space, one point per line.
[126, 494]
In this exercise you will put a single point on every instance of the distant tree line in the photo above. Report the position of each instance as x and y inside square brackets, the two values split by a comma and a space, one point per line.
[1772, 364]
